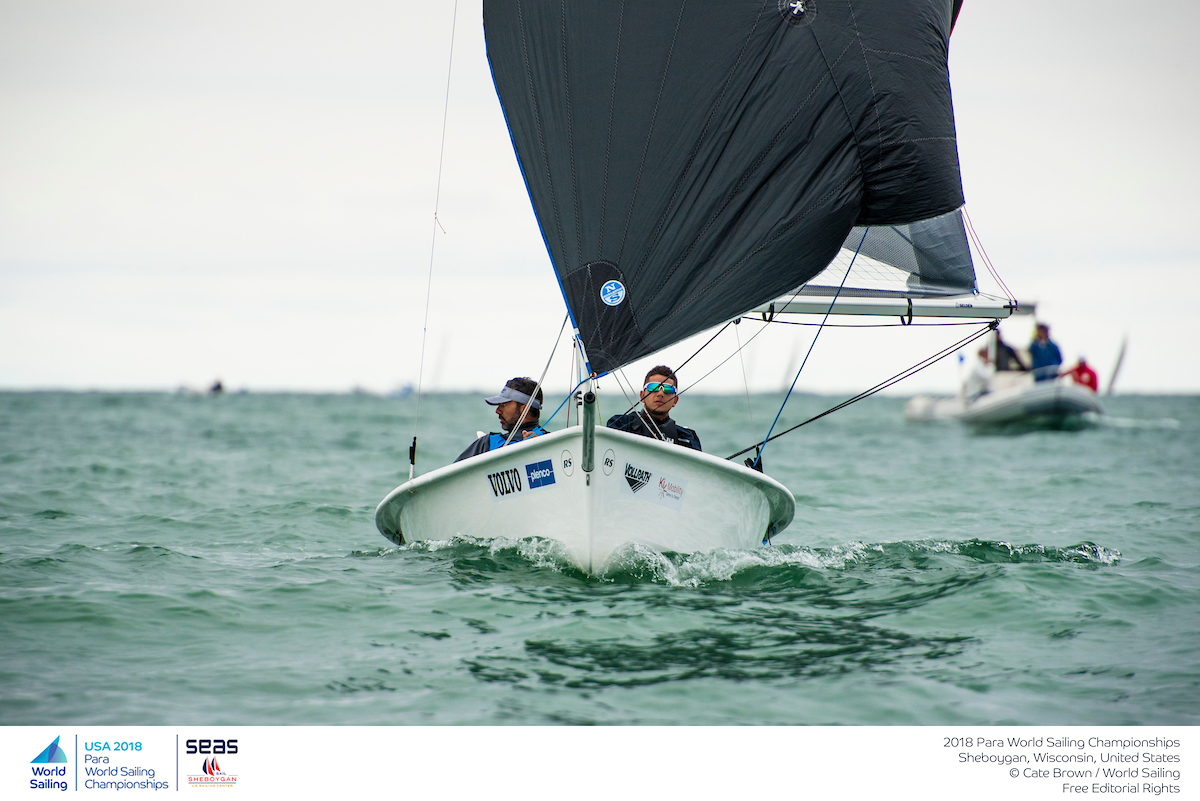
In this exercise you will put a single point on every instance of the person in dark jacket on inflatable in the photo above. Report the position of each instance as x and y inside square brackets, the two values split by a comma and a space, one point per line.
[659, 396]
[518, 406]
[1044, 354]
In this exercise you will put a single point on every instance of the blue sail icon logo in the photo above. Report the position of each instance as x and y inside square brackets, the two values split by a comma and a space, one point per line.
[52, 754]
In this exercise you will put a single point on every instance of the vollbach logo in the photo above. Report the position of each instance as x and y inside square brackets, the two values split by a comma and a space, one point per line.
[636, 477]
[43, 778]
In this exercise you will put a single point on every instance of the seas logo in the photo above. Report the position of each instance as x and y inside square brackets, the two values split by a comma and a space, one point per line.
[636, 477]
[46, 778]
[540, 474]
[210, 774]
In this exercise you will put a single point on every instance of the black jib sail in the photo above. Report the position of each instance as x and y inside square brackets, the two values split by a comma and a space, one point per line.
[689, 159]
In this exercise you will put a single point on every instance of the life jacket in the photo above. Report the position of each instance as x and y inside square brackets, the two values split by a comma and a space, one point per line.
[496, 441]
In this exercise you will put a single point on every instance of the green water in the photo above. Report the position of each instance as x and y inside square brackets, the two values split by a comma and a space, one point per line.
[171, 559]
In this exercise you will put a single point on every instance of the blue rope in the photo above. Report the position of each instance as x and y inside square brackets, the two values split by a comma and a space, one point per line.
[564, 403]
[758, 456]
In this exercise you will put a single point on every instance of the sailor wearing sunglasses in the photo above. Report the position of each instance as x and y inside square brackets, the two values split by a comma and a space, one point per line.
[659, 396]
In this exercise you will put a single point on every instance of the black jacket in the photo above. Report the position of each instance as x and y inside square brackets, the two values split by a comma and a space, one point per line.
[494, 440]
[636, 423]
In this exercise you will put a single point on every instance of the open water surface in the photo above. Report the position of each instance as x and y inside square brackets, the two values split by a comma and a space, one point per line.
[171, 559]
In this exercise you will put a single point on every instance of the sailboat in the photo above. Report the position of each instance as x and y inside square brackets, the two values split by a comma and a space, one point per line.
[1011, 400]
[690, 161]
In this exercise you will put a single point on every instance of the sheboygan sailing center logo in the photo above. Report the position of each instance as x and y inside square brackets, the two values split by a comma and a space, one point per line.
[211, 775]
[47, 778]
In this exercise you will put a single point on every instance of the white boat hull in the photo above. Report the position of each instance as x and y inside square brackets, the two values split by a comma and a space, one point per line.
[1021, 402]
[642, 491]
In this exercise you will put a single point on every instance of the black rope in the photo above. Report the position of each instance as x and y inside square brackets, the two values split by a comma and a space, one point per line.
[689, 358]
[702, 347]
[989, 327]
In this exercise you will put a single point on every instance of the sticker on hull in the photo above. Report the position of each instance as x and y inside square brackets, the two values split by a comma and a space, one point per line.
[655, 487]
[514, 481]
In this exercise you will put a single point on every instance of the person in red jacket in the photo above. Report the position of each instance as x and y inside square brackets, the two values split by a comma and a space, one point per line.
[1085, 375]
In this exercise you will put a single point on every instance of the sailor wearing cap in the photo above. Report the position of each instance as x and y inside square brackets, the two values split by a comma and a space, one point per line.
[518, 406]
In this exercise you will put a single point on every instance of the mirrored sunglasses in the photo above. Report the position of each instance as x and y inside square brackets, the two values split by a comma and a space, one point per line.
[666, 389]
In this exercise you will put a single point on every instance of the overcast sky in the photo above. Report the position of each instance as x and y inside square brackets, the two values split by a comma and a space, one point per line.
[246, 190]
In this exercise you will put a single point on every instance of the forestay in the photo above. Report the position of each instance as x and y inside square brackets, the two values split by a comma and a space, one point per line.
[690, 159]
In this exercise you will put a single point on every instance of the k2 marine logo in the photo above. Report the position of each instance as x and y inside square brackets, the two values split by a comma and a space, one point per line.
[636, 477]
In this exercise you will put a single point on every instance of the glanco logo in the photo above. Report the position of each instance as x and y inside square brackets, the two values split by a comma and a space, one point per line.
[636, 476]
[540, 474]
[42, 776]
[211, 775]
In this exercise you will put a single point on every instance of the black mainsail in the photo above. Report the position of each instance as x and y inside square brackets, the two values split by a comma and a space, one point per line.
[690, 159]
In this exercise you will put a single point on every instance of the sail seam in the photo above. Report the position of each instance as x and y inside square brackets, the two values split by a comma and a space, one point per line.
[612, 103]
[921, 139]
[745, 176]
[871, 81]
[775, 234]
[570, 130]
[691, 160]
[838, 91]
[537, 121]
[650, 132]
[933, 64]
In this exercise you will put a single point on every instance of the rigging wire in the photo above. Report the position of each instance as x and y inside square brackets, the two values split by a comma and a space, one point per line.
[987, 328]
[758, 455]
[412, 450]
[745, 381]
[525, 409]
[986, 261]
[702, 347]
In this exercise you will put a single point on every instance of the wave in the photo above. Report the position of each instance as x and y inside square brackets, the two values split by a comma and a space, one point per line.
[635, 563]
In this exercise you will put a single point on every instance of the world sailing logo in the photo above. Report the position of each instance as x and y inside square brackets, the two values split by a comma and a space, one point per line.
[612, 293]
[44, 778]
[636, 477]
[52, 754]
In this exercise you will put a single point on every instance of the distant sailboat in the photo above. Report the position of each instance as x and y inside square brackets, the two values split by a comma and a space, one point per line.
[689, 162]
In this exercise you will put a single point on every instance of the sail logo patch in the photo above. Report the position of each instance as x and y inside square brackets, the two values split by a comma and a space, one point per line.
[612, 293]
[505, 482]
[636, 477]
[540, 474]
